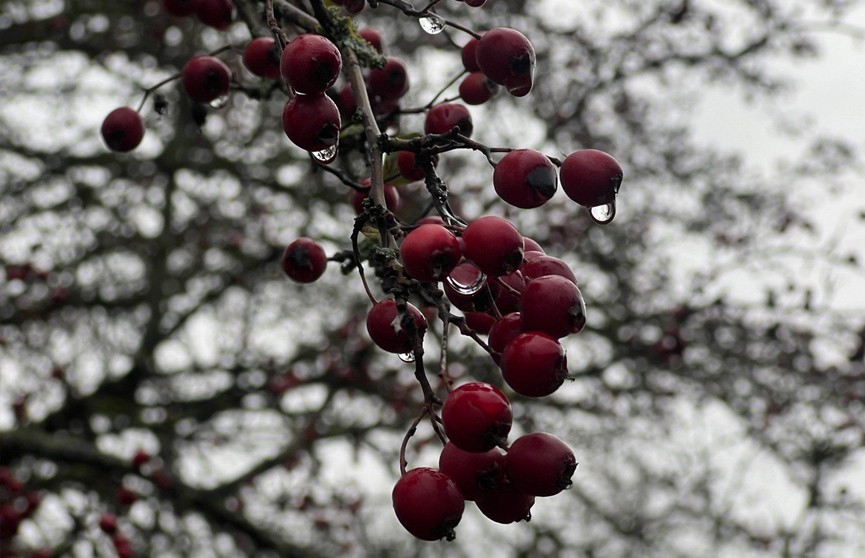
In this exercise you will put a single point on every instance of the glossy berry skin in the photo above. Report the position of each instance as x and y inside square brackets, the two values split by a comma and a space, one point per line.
[505, 504]
[477, 89]
[261, 57]
[534, 364]
[442, 117]
[179, 8]
[504, 331]
[304, 260]
[310, 63]
[311, 122]
[390, 82]
[547, 265]
[206, 78]
[553, 304]
[215, 13]
[468, 55]
[389, 330]
[531, 245]
[122, 130]
[477, 417]
[481, 322]
[507, 291]
[428, 504]
[591, 177]
[525, 178]
[473, 472]
[430, 252]
[467, 274]
[494, 245]
[540, 464]
[508, 58]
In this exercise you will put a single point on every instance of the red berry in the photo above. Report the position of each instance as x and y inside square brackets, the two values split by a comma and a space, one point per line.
[430, 252]
[122, 546]
[373, 37]
[311, 122]
[494, 245]
[468, 55]
[534, 364]
[206, 79]
[540, 464]
[345, 102]
[481, 322]
[477, 417]
[477, 89]
[310, 63]
[407, 164]
[508, 58]
[469, 295]
[442, 117]
[475, 3]
[140, 458]
[215, 13]
[542, 265]
[179, 8]
[504, 331]
[525, 178]
[505, 504]
[122, 130]
[390, 330]
[391, 81]
[126, 497]
[507, 291]
[304, 260]
[428, 504]
[108, 523]
[531, 245]
[352, 7]
[591, 177]
[473, 472]
[261, 57]
[391, 197]
[553, 304]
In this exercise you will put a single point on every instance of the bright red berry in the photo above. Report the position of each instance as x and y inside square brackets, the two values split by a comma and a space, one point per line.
[477, 417]
[553, 304]
[179, 8]
[494, 245]
[215, 13]
[390, 330]
[442, 117]
[591, 177]
[391, 81]
[540, 464]
[122, 130]
[206, 78]
[430, 252]
[304, 260]
[542, 265]
[311, 122]
[534, 364]
[428, 504]
[473, 472]
[508, 58]
[310, 63]
[525, 178]
[261, 57]
[477, 89]
[505, 504]
[531, 245]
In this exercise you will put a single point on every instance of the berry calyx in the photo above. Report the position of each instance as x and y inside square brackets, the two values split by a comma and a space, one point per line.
[441, 118]
[430, 252]
[304, 260]
[591, 177]
[534, 364]
[553, 304]
[540, 464]
[508, 58]
[477, 417]
[311, 122]
[206, 78]
[494, 245]
[392, 331]
[261, 57]
[525, 178]
[428, 504]
[122, 130]
[310, 63]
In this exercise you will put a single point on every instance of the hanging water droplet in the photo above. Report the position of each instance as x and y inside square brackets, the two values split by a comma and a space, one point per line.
[466, 279]
[325, 156]
[432, 24]
[219, 102]
[406, 357]
[603, 214]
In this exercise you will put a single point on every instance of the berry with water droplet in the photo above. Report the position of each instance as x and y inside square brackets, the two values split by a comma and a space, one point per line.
[206, 78]
[311, 122]
[477, 417]
[525, 178]
[444, 116]
[430, 252]
[494, 245]
[304, 260]
[534, 364]
[508, 58]
[310, 63]
[553, 304]
[591, 177]
[261, 57]
[540, 464]
[390, 330]
[122, 130]
[428, 504]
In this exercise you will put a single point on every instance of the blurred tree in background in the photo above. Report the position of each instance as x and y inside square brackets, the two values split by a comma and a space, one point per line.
[156, 364]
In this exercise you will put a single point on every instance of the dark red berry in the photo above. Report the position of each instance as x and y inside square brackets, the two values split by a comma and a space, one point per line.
[477, 417]
[345, 102]
[311, 122]
[390, 330]
[525, 178]
[304, 260]
[430, 252]
[179, 8]
[352, 7]
[206, 79]
[442, 117]
[481, 322]
[310, 63]
[507, 291]
[215, 13]
[391, 81]
[534, 364]
[540, 464]
[428, 504]
[531, 245]
[504, 331]
[9, 521]
[507, 57]
[391, 198]
[465, 288]
[108, 523]
[122, 130]
[477, 89]
[261, 57]
[373, 37]
[494, 245]
[542, 265]
[591, 177]
[553, 304]
[406, 162]
[473, 472]
[140, 458]
[468, 56]
[126, 497]
[505, 504]
[475, 3]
